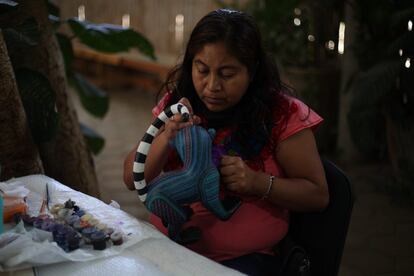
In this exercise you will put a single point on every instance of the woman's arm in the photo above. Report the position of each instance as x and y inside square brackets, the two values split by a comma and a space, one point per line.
[156, 158]
[304, 186]
[158, 153]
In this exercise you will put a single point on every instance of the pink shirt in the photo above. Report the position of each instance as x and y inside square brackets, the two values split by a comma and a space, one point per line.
[257, 225]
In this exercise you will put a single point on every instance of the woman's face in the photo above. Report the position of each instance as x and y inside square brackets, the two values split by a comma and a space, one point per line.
[218, 77]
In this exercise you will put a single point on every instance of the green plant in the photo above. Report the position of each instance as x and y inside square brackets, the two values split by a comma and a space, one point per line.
[295, 31]
[380, 89]
[382, 106]
[38, 97]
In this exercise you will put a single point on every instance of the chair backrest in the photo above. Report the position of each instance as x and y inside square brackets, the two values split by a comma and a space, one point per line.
[323, 234]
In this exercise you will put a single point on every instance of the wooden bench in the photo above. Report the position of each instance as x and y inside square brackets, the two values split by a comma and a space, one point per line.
[119, 70]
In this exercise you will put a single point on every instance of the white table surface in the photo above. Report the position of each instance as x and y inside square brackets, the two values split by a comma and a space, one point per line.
[155, 254]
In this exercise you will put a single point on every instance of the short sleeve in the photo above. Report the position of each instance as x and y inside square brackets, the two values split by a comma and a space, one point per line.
[301, 117]
[161, 104]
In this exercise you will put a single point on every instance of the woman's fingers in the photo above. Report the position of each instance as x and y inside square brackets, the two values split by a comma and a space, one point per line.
[236, 175]
[194, 119]
[186, 102]
[232, 161]
[231, 169]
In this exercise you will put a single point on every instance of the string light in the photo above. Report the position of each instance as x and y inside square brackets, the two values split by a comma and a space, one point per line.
[296, 21]
[405, 98]
[400, 52]
[297, 11]
[81, 13]
[341, 38]
[126, 20]
[410, 25]
[407, 63]
[311, 38]
[330, 45]
[179, 29]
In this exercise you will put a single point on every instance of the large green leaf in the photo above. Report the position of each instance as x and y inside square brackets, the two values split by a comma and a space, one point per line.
[67, 51]
[93, 99]
[39, 101]
[7, 5]
[95, 141]
[110, 38]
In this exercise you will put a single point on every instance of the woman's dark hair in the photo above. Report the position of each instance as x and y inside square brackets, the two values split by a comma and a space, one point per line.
[242, 38]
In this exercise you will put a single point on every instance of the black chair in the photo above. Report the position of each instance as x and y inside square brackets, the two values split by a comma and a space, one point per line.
[320, 235]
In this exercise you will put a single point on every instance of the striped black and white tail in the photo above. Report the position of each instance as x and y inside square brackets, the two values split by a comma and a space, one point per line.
[145, 144]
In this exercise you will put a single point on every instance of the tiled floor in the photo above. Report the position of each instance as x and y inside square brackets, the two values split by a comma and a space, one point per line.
[380, 241]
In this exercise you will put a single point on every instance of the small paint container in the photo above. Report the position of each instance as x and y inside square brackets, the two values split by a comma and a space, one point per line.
[101, 226]
[84, 224]
[55, 208]
[78, 225]
[60, 236]
[63, 213]
[72, 219]
[69, 204]
[57, 229]
[87, 232]
[108, 231]
[116, 238]
[98, 240]
[72, 240]
[86, 217]
[48, 225]
[79, 212]
[93, 222]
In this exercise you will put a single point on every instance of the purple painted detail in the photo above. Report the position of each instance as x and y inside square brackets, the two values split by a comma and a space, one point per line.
[37, 223]
[48, 225]
[217, 152]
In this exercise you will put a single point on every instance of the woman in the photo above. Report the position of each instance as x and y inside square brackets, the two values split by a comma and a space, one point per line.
[270, 159]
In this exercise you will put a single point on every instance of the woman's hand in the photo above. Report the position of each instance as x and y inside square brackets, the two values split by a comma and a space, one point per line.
[237, 176]
[175, 123]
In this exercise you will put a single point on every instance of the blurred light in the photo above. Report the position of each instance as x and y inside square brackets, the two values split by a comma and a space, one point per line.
[296, 21]
[400, 52]
[408, 63]
[330, 45]
[179, 29]
[405, 98]
[179, 19]
[311, 38]
[297, 11]
[81, 13]
[410, 25]
[126, 20]
[341, 38]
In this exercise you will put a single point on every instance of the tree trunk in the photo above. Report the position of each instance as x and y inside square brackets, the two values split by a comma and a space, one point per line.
[66, 157]
[18, 153]
[345, 145]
